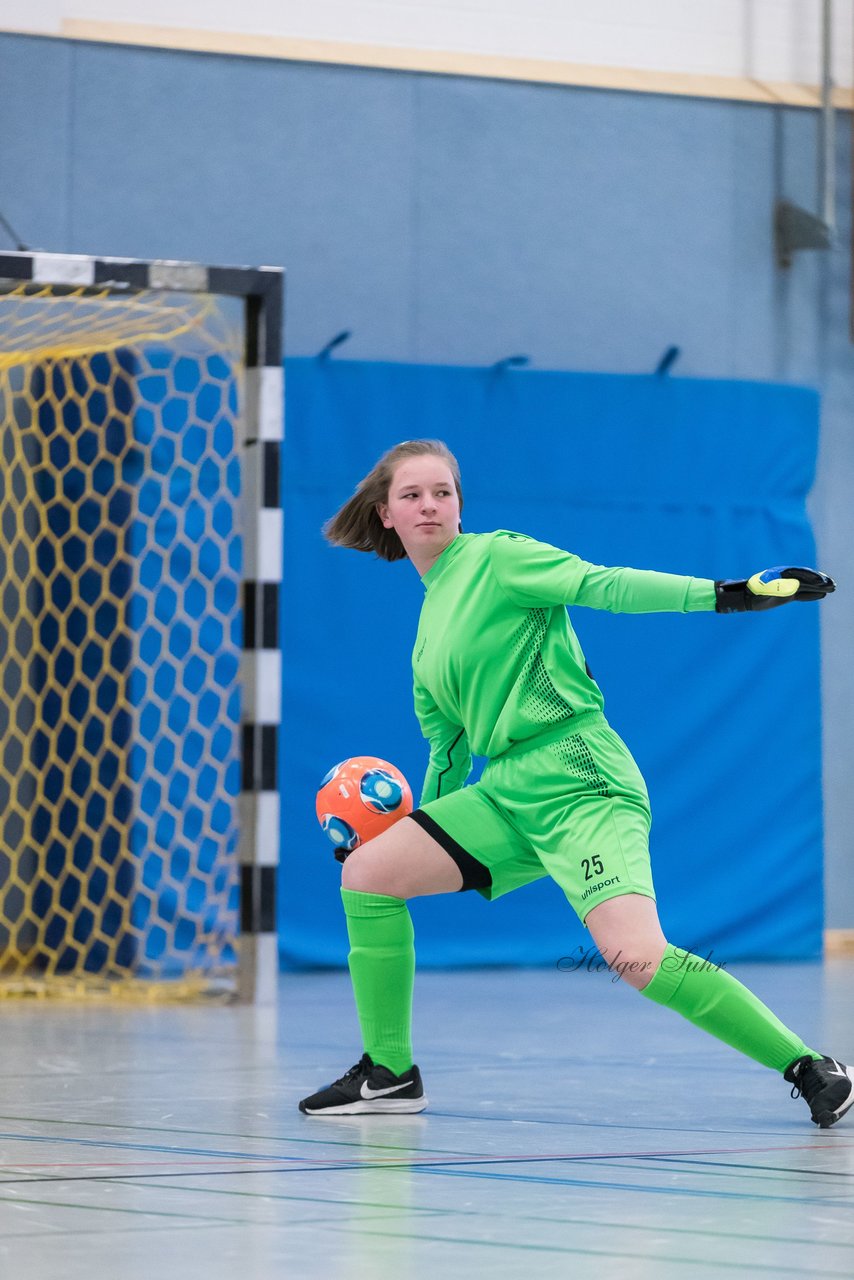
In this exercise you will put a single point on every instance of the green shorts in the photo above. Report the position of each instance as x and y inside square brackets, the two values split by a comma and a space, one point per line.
[568, 804]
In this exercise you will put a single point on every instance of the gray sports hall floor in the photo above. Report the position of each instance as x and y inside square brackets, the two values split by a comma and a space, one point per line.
[574, 1130]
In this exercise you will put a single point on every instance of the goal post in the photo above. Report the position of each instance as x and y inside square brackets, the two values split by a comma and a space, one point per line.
[141, 531]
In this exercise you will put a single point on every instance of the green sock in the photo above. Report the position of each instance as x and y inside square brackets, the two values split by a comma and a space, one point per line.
[382, 968]
[719, 1004]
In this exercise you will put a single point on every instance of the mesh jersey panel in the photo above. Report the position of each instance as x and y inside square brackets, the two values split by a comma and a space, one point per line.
[539, 700]
[575, 754]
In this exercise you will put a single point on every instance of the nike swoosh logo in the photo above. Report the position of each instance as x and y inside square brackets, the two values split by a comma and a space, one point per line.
[366, 1092]
[841, 1072]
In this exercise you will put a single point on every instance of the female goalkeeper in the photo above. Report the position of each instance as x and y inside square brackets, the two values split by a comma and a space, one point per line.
[498, 670]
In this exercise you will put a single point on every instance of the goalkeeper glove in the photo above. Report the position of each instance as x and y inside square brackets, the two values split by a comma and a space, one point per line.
[771, 588]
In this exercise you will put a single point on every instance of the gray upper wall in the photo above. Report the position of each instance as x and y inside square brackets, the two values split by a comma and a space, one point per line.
[459, 221]
[442, 219]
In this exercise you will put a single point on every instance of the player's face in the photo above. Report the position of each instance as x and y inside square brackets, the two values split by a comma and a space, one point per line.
[423, 507]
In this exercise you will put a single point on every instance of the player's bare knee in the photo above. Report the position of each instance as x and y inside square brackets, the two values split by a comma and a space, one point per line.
[636, 965]
[403, 863]
[629, 936]
[365, 873]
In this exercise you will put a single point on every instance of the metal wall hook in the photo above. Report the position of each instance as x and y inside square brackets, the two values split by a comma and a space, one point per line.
[326, 352]
[511, 362]
[667, 361]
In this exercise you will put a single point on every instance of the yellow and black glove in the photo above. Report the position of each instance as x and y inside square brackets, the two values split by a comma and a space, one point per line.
[770, 588]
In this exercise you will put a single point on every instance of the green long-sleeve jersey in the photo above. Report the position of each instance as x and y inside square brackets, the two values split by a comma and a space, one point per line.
[496, 660]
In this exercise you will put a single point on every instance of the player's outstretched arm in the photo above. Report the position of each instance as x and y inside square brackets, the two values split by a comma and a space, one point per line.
[770, 588]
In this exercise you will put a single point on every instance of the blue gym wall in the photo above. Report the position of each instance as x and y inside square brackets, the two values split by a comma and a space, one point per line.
[622, 471]
[457, 221]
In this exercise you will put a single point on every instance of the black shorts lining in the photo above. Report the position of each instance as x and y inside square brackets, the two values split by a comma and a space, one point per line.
[475, 874]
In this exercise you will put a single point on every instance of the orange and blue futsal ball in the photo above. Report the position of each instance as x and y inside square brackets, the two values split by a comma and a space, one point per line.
[359, 799]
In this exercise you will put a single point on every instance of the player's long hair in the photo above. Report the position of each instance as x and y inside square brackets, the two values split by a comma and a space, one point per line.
[358, 526]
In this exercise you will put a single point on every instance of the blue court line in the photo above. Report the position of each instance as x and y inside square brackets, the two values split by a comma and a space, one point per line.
[359, 1144]
[215, 1154]
[761, 1168]
[700, 1170]
[630, 1186]
[590, 1184]
[186, 1216]
[144, 1146]
[444, 1171]
[755, 1172]
[751, 1267]
[410, 1160]
[615, 1124]
[491, 1118]
[416, 1158]
[356, 1203]
[130, 1177]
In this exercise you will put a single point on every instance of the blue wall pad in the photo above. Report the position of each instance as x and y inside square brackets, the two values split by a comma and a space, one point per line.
[721, 712]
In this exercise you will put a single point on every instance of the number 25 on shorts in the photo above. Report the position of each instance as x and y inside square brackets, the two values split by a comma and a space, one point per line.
[592, 866]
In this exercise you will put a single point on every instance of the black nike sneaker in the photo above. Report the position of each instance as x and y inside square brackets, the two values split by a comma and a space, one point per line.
[366, 1089]
[827, 1085]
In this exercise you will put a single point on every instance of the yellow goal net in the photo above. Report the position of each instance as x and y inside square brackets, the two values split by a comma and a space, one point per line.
[120, 639]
